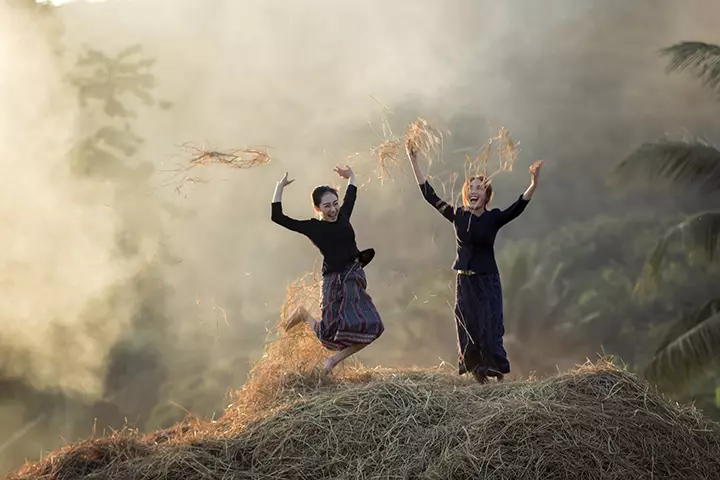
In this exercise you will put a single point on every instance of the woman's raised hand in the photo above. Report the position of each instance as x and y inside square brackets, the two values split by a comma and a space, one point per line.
[284, 180]
[344, 172]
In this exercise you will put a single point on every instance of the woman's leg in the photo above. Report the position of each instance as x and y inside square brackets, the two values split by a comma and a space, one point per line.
[500, 365]
[474, 312]
[333, 361]
[298, 316]
[359, 322]
[469, 354]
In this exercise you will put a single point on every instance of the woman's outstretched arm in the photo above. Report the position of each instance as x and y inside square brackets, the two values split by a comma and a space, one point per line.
[412, 153]
[351, 190]
[534, 177]
[514, 210]
[277, 215]
[428, 192]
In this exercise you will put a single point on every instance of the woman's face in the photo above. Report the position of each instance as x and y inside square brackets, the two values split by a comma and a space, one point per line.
[476, 194]
[329, 207]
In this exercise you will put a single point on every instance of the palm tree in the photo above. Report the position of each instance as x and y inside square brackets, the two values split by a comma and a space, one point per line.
[693, 343]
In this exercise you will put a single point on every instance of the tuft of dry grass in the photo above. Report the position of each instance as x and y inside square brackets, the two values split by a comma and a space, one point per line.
[420, 132]
[501, 152]
[237, 158]
[597, 421]
[242, 158]
[498, 156]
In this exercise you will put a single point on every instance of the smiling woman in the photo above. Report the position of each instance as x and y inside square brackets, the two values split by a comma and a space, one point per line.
[478, 291]
[350, 321]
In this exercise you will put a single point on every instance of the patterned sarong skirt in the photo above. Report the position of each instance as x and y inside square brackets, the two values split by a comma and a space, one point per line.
[349, 315]
[479, 322]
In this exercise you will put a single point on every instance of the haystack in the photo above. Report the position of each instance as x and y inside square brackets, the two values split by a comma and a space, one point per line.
[292, 422]
[596, 422]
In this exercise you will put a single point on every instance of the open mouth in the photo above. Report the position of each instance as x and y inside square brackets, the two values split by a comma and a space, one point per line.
[474, 198]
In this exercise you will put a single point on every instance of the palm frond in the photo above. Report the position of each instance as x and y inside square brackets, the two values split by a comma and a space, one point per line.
[702, 59]
[699, 235]
[518, 274]
[680, 163]
[691, 345]
[688, 322]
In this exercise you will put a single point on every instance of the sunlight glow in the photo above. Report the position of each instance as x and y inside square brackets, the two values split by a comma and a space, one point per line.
[57, 3]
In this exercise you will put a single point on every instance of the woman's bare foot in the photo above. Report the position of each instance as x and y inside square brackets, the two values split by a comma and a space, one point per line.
[335, 360]
[479, 377]
[297, 317]
[329, 364]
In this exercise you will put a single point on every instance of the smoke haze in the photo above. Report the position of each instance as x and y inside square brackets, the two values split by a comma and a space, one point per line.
[57, 247]
[578, 83]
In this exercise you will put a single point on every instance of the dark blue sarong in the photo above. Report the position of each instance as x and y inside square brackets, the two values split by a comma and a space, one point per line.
[479, 322]
[349, 315]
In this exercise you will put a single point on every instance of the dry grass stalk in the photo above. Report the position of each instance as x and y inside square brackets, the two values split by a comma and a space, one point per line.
[427, 139]
[387, 151]
[242, 158]
[387, 156]
[390, 151]
[500, 151]
[238, 158]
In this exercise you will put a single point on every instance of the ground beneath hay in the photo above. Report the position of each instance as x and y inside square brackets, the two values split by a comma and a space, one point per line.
[596, 422]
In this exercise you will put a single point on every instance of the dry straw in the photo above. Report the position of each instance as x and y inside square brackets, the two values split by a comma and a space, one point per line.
[498, 156]
[596, 422]
[389, 153]
[290, 421]
[238, 158]
[241, 158]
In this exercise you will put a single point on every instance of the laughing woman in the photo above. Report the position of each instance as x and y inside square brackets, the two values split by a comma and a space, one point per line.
[350, 321]
[478, 292]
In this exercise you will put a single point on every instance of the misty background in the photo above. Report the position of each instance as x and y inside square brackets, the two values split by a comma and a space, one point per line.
[126, 299]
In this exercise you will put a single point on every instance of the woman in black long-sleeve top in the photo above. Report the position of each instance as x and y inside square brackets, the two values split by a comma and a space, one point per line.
[478, 291]
[349, 320]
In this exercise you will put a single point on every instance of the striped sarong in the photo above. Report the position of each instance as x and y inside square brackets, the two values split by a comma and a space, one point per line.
[479, 322]
[349, 315]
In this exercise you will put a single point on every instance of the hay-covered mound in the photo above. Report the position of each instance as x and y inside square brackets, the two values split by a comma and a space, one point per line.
[291, 422]
[594, 422]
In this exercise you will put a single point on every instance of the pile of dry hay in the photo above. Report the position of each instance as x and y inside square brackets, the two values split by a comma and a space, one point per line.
[595, 422]
[290, 421]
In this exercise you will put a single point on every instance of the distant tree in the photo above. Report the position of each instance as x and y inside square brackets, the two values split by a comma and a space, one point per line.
[106, 85]
[693, 344]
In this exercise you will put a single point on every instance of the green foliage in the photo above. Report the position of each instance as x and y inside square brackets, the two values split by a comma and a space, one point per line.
[702, 59]
[692, 345]
[686, 164]
[699, 238]
[578, 288]
[688, 348]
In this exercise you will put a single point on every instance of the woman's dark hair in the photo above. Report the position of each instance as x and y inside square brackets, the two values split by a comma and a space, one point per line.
[320, 191]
